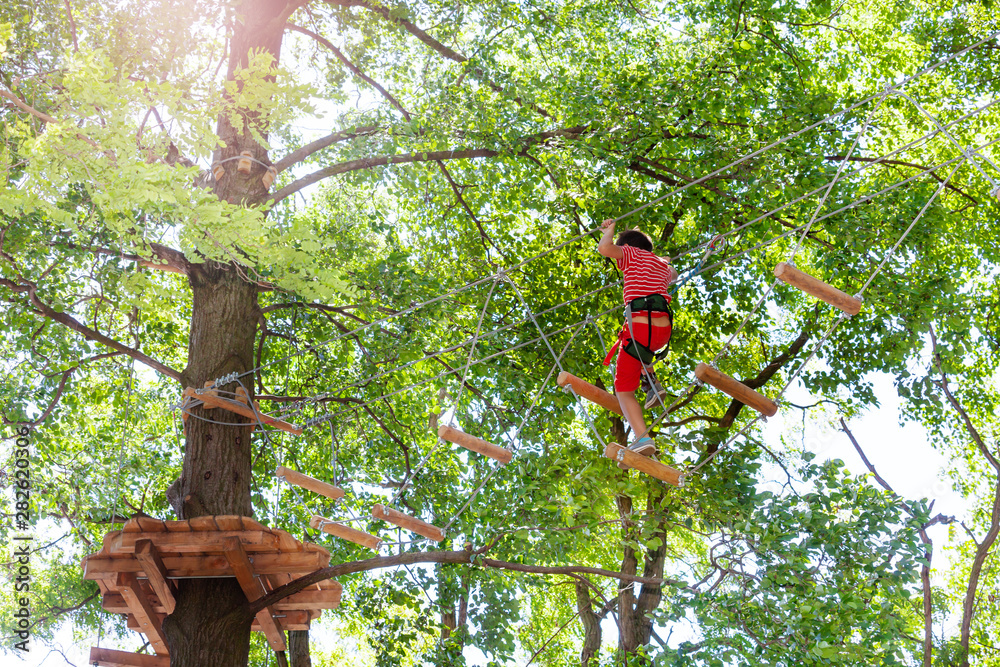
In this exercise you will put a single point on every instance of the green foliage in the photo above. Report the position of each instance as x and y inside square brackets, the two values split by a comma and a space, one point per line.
[587, 109]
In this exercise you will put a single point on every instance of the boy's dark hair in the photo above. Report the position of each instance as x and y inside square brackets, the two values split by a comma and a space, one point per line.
[636, 239]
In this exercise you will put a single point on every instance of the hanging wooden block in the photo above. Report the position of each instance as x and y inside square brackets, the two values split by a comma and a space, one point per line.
[309, 484]
[268, 178]
[218, 171]
[817, 288]
[344, 532]
[643, 463]
[241, 396]
[245, 163]
[107, 657]
[408, 522]
[736, 389]
[589, 392]
[212, 401]
[472, 443]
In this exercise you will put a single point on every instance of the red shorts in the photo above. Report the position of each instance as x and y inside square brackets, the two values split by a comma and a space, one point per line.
[628, 369]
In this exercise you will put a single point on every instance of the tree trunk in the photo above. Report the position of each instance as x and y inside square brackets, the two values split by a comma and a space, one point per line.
[591, 624]
[636, 627]
[211, 624]
[298, 649]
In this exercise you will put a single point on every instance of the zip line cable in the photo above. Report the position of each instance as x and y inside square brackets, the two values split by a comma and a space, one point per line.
[676, 190]
[836, 323]
[504, 274]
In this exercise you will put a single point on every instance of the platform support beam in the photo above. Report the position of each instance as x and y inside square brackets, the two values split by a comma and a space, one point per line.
[254, 590]
[590, 392]
[736, 389]
[140, 607]
[795, 277]
[344, 532]
[156, 574]
[643, 464]
[474, 444]
[408, 522]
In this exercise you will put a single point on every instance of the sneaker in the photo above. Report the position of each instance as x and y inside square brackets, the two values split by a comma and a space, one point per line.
[644, 446]
[655, 393]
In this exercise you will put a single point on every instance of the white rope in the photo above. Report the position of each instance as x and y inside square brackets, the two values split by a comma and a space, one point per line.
[836, 177]
[515, 438]
[967, 153]
[836, 323]
[461, 388]
[797, 133]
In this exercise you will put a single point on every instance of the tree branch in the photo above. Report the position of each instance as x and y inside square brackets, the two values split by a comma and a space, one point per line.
[354, 68]
[59, 392]
[302, 153]
[436, 46]
[379, 161]
[984, 546]
[461, 557]
[45, 310]
[901, 163]
[755, 383]
[540, 138]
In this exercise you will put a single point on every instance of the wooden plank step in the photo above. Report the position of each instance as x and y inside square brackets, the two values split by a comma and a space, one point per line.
[643, 463]
[795, 277]
[311, 598]
[107, 657]
[474, 444]
[298, 619]
[736, 389]
[344, 532]
[308, 483]
[328, 598]
[408, 522]
[590, 392]
[213, 401]
[186, 567]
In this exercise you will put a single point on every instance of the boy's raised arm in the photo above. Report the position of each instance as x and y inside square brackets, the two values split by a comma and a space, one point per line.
[607, 246]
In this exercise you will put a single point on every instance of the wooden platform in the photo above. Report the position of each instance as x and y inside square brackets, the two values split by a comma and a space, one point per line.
[138, 568]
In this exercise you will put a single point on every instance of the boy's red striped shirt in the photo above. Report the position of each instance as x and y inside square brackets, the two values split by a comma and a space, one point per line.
[645, 273]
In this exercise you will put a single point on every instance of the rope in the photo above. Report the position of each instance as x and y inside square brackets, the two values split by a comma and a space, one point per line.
[968, 154]
[867, 165]
[836, 323]
[797, 133]
[836, 177]
[461, 389]
[676, 190]
[515, 438]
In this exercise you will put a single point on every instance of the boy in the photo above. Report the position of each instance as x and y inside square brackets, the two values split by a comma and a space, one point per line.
[645, 275]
